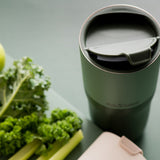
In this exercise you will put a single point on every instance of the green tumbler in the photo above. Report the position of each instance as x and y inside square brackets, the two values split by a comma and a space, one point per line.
[119, 47]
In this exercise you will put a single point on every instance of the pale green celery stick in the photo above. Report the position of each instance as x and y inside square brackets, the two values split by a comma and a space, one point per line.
[27, 151]
[55, 147]
[68, 147]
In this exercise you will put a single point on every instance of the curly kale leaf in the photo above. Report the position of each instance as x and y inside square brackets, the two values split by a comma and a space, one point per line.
[16, 132]
[22, 89]
[61, 126]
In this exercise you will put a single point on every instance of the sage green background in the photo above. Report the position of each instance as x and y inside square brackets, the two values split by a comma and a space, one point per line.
[47, 31]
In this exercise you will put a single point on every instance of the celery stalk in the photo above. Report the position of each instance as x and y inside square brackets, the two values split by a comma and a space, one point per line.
[58, 152]
[68, 147]
[27, 151]
[55, 147]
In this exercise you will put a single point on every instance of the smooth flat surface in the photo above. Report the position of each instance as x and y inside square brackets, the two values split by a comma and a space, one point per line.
[47, 31]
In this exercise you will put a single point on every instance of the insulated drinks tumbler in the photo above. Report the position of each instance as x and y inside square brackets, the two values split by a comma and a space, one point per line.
[119, 47]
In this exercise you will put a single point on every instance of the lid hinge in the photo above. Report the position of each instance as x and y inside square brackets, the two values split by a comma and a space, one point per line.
[129, 146]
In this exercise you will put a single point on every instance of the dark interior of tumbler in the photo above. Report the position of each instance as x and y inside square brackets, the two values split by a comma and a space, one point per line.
[118, 27]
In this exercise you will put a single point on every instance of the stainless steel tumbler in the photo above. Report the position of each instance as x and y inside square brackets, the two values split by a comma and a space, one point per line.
[119, 47]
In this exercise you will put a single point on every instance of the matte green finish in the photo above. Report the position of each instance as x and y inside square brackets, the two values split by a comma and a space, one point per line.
[119, 90]
[119, 101]
[130, 122]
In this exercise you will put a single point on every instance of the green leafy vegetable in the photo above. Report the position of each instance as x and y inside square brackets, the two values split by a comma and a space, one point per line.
[22, 89]
[13, 132]
[17, 132]
[24, 127]
[39, 128]
[61, 128]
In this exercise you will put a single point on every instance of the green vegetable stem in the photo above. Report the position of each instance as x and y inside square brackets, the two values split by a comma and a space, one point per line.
[59, 151]
[68, 147]
[27, 150]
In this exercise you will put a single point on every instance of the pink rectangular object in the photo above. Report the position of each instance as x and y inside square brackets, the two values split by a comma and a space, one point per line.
[109, 146]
